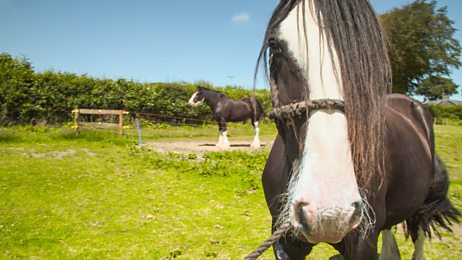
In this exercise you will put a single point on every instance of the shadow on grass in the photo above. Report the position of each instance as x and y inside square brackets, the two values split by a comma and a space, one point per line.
[6, 137]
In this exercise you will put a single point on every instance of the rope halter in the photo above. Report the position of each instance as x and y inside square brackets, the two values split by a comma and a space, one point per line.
[297, 109]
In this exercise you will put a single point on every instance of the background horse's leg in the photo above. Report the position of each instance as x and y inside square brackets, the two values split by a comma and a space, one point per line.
[389, 246]
[256, 138]
[220, 139]
[223, 141]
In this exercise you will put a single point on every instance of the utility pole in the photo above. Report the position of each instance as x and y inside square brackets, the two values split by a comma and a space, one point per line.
[231, 79]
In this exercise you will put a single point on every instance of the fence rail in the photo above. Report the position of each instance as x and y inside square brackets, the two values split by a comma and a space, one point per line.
[78, 112]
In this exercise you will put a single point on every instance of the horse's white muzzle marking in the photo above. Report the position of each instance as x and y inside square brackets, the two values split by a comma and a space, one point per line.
[325, 225]
[324, 198]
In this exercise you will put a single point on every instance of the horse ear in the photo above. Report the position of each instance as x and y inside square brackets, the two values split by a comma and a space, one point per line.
[199, 88]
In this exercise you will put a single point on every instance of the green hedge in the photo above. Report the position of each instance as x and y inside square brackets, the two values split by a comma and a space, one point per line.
[453, 113]
[27, 97]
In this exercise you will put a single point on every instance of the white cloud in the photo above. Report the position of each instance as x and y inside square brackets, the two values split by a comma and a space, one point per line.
[240, 17]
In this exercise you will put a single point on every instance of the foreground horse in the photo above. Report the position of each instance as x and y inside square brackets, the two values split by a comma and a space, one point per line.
[350, 160]
[229, 110]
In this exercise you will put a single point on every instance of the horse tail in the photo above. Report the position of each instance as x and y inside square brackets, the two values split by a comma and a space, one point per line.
[438, 210]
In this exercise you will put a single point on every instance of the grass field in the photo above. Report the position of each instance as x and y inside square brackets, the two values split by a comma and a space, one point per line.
[97, 196]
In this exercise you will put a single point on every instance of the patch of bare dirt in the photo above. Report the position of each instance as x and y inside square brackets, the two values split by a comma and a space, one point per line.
[201, 147]
[61, 154]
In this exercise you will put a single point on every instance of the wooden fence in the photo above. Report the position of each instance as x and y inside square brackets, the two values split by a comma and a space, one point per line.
[78, 123]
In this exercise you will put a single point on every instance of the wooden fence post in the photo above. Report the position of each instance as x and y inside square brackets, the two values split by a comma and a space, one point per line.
[76, 120]
[121, 123]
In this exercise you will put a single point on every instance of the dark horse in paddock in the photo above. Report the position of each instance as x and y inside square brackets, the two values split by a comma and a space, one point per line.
[350, 160]
[229, 110]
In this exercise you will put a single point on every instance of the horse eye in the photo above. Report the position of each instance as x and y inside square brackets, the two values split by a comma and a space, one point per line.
[274, 45]
[272, 41]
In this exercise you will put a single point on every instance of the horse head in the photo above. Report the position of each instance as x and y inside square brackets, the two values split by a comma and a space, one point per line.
[197, 97]
[331, 151]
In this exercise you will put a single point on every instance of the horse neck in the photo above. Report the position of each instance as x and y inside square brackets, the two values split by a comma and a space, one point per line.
[317, 60]
[212, 99]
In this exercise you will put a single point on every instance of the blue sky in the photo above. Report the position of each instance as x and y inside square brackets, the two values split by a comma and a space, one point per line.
[148, 41]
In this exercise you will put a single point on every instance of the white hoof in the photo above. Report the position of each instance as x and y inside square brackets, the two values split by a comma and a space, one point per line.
[223, 146]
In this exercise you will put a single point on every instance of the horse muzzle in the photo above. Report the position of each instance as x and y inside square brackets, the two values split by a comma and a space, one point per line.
[195, 103]
[329, 225]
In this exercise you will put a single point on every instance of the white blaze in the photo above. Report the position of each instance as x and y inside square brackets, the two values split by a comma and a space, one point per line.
[191, 100]
[326, 175]
[312, 56]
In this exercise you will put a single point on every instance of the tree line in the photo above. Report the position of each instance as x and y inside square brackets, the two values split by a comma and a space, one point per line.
[423, 52]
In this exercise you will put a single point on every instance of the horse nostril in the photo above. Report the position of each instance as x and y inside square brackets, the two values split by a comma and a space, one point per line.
[301, 216]
[358, 205]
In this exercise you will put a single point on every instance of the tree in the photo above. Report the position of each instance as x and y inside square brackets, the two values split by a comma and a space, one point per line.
[436, 87]
[423, 49]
